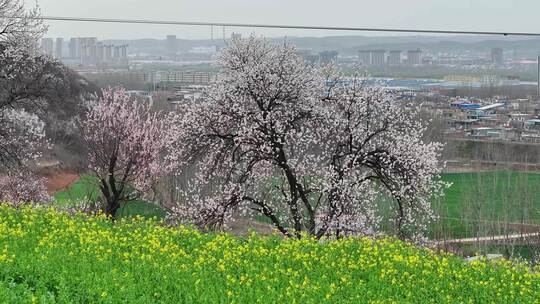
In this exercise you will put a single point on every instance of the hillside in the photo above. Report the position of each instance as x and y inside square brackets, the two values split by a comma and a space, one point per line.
[349, 45]
[52, 257]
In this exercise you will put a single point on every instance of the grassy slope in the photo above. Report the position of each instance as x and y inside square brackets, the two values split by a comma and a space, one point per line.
[492, 196]
[86, 189]
[50, 257]
[82, 190]
[489, 197]
[500, 191]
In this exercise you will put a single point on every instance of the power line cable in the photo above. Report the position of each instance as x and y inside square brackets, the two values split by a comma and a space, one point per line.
[280, 26]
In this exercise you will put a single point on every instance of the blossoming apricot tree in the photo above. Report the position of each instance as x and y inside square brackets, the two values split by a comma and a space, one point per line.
[22, 187]
[127, 145]
[309, 149]
[22, 133]
[19, 26]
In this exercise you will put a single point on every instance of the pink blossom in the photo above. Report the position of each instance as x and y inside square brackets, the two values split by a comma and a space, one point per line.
[23, 187]
[127, 145]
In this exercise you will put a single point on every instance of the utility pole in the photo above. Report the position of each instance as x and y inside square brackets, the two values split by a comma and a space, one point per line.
[538, 77]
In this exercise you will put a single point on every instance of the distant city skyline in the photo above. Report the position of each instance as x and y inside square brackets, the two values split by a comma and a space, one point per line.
[477, 15]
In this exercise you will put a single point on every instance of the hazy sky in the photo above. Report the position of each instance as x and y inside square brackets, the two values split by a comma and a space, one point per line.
[477, 15]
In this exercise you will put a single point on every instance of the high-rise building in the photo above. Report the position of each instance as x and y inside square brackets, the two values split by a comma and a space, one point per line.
[85, 49]
[89, 50]
[414, 56]
[85, 54]
[377, 57]
[47, 45]
[123, 60]
[75, 48]
[394, 57]
[116, 54]
[108, 53]
[236, 36]
[59, 48]
[308, 56]
[100, 53]
[123, 51]
[364, 57]
[497, 56]
[326, 57]
[172, 47]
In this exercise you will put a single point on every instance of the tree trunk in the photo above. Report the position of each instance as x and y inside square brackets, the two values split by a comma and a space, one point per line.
[112, 207]
[111, 198]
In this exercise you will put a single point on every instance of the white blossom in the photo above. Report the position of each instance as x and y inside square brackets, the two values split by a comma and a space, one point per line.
[309, 149]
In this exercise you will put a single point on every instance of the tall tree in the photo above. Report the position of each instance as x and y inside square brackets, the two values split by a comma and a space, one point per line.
[22, 133]
[127, 145]
[310, 150]
[38, 95]
[21, 187]
[20, 27]
[19, 32]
